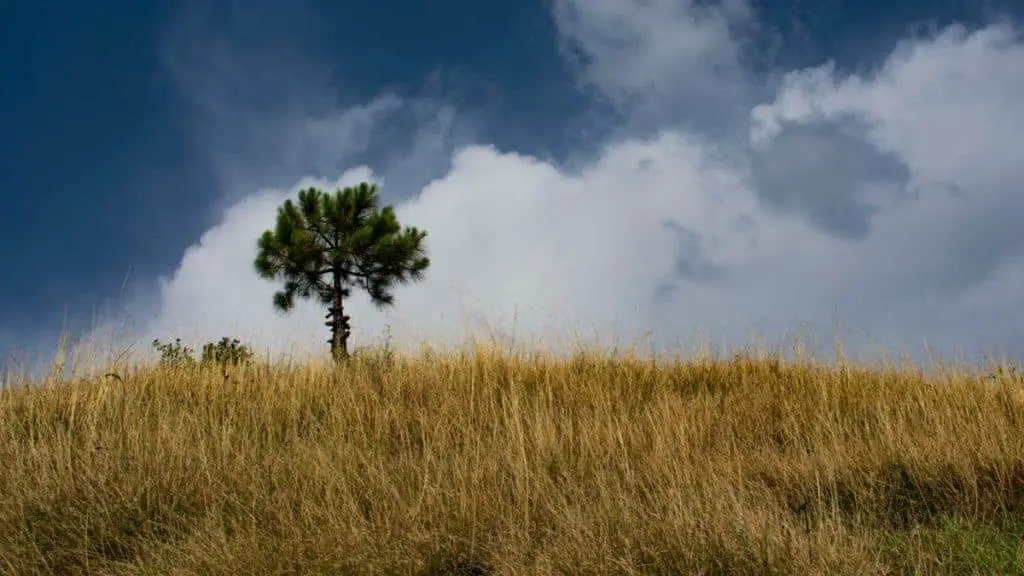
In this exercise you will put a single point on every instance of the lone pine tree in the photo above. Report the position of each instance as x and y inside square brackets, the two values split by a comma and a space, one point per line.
[329, 243]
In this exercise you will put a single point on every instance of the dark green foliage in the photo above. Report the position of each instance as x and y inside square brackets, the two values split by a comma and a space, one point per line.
[227, 351]
[326, 244]
[174, 353]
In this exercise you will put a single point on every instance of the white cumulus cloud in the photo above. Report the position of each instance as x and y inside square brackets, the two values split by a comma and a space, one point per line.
[886, 206]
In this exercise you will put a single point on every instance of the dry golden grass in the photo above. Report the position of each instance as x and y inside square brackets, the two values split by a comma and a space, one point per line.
[500, 464]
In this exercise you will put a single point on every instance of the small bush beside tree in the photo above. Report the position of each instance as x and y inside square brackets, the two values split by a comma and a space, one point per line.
[226, 351]
[174, 353]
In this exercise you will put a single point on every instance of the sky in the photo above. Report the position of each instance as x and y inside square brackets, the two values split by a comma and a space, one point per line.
[655, 171]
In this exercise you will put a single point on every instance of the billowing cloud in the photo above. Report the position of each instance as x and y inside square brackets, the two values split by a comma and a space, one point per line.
[660, 60]
[950, 110]
[885, 206]
[829, 175]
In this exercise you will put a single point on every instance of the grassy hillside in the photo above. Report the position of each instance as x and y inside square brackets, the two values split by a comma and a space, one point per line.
[494, 464]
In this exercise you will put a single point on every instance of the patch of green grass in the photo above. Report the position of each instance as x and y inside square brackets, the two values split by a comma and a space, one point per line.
[957, 547]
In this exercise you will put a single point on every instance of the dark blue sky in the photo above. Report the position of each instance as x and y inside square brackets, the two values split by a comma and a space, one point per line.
[101, 173]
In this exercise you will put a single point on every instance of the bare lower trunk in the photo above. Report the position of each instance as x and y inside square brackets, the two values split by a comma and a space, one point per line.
[338, 322]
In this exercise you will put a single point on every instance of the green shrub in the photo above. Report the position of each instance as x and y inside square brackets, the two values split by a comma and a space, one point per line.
[227, 351]
[174, 353]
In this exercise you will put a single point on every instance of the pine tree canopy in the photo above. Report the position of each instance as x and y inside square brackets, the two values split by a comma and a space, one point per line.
[325, 244]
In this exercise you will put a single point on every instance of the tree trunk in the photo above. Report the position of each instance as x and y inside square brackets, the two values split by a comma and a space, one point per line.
[339, 323]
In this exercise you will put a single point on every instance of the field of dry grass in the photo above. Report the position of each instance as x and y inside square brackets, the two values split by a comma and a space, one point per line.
[513, 464]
